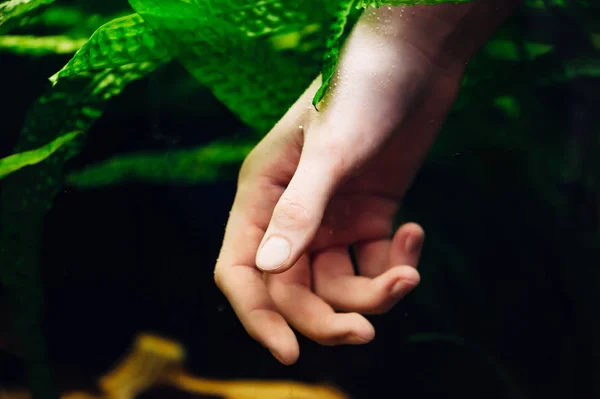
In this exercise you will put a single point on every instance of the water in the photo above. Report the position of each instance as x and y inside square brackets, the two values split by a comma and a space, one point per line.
[509, 198]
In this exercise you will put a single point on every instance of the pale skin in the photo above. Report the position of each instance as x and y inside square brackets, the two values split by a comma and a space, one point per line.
[322, 181]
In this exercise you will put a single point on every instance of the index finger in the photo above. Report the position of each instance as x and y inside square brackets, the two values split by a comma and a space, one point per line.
[242, 283]
[236, 273]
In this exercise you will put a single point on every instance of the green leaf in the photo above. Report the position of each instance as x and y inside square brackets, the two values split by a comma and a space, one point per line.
[582, 67]
[122, 41]
[60, 16]
[262, 17]
[554, 3]
[187, 166]
[17, 161]
[510, 50]
[40, 45]
[509, 105]
[12, 11]
[333, 47]
[28, 193]
[238, 62]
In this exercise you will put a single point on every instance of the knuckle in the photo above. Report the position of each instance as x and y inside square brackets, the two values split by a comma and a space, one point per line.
[291, 214]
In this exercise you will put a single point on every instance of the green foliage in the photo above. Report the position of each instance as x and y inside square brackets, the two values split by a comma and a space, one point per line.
[13, 12]
[189, 166]
[122, 41]
[15, 162]
[230, 58]
[68, 29]
[72, 105]
[333, 47]
[40, 45]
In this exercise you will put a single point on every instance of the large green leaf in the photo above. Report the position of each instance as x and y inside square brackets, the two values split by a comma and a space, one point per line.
[71, 105]
[265, 17]
[122, 41]
[240, 66]
[333, 46]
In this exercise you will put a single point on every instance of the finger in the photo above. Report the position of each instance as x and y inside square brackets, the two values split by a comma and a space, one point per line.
[298, 214]
[243, 285]
[310, 315]
[371, 256]
[235, 271]
[335, 283]
[375, 257]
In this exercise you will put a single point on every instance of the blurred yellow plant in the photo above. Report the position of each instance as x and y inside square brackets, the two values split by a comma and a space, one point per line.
[155, 361]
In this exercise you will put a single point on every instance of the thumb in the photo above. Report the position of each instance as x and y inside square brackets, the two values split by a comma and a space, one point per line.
[298, 214]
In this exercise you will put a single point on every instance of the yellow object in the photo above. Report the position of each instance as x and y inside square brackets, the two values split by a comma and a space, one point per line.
[247, 389]
[147, 365]
[155, 361]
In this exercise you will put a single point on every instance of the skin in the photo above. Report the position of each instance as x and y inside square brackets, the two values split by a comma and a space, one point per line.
[324, 181]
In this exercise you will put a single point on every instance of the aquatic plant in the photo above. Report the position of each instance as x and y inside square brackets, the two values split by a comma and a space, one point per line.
[155, 362]
[17, 161]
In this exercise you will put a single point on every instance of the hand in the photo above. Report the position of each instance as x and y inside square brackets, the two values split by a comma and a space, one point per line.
[320, 182]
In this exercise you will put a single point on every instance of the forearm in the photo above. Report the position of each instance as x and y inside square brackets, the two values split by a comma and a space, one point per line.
[475, 27]
[447, 34]
[400, 70]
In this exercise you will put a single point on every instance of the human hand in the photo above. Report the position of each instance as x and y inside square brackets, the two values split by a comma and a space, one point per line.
[320, 182]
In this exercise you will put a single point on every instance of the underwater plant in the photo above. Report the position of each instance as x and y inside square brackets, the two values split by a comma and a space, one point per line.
[225, 46]
[155, 362]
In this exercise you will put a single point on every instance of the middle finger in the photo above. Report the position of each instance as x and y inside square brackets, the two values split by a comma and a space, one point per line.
[311, 315]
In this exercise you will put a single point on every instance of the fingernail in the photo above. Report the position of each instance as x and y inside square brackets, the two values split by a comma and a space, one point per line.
[272, 255]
